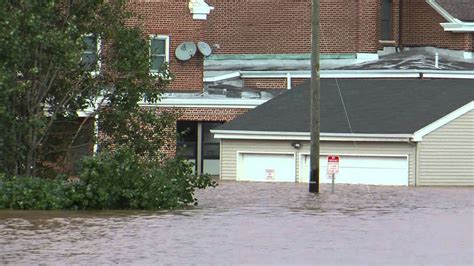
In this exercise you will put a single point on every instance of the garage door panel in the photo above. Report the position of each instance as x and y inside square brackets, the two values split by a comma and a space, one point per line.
[266, 167]
[362, 170]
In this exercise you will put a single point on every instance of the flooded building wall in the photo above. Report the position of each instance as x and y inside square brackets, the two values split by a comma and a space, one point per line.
[230, 150]
[446, 155]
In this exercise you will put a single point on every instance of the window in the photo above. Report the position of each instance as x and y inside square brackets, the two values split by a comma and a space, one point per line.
[90, 56]
[386, 20]
[159, 51]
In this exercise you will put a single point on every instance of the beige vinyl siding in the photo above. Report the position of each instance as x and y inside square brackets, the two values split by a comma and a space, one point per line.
[446, 155]
[230, 148]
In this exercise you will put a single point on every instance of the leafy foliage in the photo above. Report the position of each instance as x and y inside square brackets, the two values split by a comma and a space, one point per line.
[118, 180]
[43, 82]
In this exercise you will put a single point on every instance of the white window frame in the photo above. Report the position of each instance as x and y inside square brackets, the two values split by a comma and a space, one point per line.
[166, 38]
[98, 53]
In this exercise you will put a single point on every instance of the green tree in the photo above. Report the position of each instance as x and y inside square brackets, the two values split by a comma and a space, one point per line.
[47, 76]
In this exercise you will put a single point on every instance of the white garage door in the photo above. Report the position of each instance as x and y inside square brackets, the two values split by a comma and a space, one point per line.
[370, 170]
[266, 167]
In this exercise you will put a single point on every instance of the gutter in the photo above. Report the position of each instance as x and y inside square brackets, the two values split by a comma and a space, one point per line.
[206, 103]
[454, 74]
[305, 136]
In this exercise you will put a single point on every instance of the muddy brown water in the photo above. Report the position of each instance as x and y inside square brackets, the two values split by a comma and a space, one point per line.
[254, 223]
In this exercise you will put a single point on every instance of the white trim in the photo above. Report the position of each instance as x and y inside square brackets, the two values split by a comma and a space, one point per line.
[274, 135]
[458, 27]
[222, 77]
[324, 74]
[448, 75]
[453, 24]
[418, 135]
[166, 38]
[207, 103]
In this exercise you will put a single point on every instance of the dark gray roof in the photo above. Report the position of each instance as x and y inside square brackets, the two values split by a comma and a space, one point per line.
[376, 106]
[460, 9]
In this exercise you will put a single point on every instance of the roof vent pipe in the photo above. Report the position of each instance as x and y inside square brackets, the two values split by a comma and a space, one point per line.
[436, 60]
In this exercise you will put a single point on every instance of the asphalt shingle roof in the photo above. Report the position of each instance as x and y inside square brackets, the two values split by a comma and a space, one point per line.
[374, 106]
[460, 9]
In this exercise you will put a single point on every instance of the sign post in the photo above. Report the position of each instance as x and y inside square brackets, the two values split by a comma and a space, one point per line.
[333, 168]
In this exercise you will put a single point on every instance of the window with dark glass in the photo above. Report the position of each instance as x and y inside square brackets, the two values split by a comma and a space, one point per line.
[187, 139]
[158, 52]
[89, 56]
[210, 145]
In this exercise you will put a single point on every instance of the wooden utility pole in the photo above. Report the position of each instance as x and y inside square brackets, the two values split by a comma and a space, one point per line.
[315, 86]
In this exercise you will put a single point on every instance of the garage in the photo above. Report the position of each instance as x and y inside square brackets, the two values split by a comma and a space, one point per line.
[266, 167]
[387, 132]
[370, 170]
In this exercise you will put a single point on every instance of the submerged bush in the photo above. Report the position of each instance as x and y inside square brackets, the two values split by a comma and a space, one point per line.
[118, 180]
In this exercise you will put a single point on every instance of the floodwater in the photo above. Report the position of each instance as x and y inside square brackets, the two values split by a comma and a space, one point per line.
[256, 223]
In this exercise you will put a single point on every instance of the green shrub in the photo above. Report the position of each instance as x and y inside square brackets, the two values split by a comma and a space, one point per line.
[118, 180]
[32, 193]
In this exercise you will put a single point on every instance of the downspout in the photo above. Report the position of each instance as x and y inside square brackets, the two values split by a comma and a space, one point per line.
[400, 24]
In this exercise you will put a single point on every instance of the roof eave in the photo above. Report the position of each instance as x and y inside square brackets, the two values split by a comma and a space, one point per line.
[458, 26]
[418, 135]
[453, 24]
[279, 135]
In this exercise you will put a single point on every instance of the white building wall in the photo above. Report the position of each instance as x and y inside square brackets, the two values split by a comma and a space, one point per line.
[446, 155]
[230, 149]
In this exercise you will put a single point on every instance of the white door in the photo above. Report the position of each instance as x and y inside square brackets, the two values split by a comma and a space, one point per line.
[266, 167]
[370, 170]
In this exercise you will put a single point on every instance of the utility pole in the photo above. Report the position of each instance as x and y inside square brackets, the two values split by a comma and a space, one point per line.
[315, 86]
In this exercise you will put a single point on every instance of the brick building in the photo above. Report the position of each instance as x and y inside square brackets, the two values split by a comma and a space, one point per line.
[262, 47]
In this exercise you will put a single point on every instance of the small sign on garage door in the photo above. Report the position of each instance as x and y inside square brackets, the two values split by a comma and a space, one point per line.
[270, 174]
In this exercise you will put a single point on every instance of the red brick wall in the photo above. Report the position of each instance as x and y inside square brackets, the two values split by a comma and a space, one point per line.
[297, 81]
[209, 114]
[368, 26]
[421, 28]
[173, 18]
[284, 26]
[265, 83]
[199, 114]
[272, 83]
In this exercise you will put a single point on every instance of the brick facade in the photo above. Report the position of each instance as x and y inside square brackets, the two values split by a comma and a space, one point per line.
[172, 18]
[265, 83]
[297, 81]
[205, 114]
[284, 26]
[421, 27]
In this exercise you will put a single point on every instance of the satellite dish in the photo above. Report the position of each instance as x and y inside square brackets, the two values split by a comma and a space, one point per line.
[185, 51]
[204, 48]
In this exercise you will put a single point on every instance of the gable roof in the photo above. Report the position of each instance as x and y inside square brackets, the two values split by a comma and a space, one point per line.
[460, 9]
[375, 106]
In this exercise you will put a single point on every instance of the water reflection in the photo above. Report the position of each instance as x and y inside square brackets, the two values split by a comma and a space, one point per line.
[257, 223]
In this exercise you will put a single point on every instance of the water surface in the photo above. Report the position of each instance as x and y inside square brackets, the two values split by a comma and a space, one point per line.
[244, 223]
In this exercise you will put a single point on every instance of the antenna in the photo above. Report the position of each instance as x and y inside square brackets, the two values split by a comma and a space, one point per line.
[204, 48]
[185, 51]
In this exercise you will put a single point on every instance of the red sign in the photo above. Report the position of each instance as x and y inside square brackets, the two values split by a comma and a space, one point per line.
[333, 164]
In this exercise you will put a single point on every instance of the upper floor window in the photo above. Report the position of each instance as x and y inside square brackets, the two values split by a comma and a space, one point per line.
[159, 51]
[90, 56]
[386, 20]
